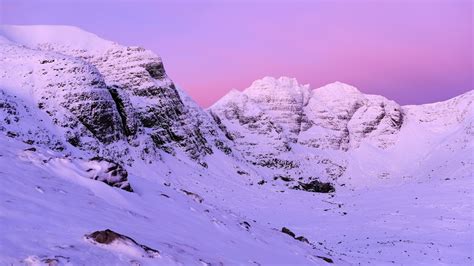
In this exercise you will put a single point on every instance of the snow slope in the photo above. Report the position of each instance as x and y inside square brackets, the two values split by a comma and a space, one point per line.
[96, 136]
[69, 36]
[49, 206]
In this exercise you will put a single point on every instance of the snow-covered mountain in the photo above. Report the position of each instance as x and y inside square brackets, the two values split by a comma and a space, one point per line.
[304, 134]
[103, 94]
[96, 136]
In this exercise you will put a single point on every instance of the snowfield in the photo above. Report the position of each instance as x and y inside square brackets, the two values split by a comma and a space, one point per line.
[105, 161]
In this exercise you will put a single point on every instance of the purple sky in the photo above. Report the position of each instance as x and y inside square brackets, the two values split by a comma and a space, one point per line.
[414, 51]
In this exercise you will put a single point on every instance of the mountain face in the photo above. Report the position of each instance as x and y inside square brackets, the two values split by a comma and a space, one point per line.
[295, 131]
[336, 116]
[105, 160]
[106, 94]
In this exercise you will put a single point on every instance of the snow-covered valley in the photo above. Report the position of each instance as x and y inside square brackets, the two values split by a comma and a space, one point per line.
[96, 136]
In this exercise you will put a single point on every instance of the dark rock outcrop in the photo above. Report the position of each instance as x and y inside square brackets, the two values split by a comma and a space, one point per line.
[326, 259]
[284, 178]
[293, 235]
[108, 236]
[109, 172]
[302, 239]
[245, 224]
[315, 186]
[288, 232]
[193, 195]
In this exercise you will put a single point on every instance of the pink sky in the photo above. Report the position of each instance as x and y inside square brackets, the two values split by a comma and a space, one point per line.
[414, 51]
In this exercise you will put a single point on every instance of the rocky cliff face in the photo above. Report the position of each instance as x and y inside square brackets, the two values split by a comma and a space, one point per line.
[336, 116]
[70, 91]
[342, 117]
[108, 94]
[148, 101]
[295, 131]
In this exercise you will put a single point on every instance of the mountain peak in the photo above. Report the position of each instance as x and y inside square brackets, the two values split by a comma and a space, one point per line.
[283, 87]
[231, 96]
[281, 83]
[34, 35]
[337, 88]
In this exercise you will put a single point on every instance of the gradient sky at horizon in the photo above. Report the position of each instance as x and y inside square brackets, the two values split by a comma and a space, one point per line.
[413, 52]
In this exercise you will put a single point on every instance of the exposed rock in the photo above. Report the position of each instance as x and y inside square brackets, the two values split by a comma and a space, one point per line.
[326, 259]
[293, 235]
[110, 94]
[19, 121]
[274, 117]
[288, 232]
[245, 224]
[283, 178]
[277, 163]
[193, 195]
[68, 89]
[302, 239]
[108, 237]
[109, 172]
[241, 172]
[149, 102]
[315, 186]
[105, 237]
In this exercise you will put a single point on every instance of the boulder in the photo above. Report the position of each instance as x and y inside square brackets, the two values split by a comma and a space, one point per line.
[107, 237]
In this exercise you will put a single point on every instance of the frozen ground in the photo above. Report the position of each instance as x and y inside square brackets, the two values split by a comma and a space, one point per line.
[48, 206]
